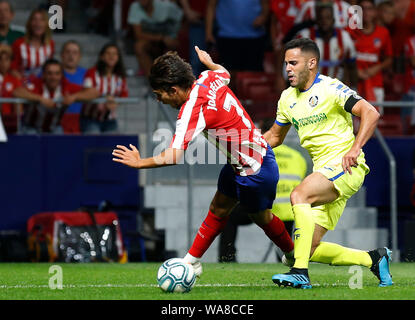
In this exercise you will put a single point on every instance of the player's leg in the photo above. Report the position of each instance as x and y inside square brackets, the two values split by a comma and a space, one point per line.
[275, 229]
[336, 255]
[220, 208]
[315, 189]
[216, 219]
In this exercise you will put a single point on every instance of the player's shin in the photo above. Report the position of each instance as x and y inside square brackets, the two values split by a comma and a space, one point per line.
[276, 231]
[208, 231]
[303, 234]
[336, 255]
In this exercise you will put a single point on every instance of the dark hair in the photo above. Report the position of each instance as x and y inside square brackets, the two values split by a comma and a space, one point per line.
[170, 70]
[371, 1]
[320, 6]
[50, 62]
[305, 44]
[119, 69]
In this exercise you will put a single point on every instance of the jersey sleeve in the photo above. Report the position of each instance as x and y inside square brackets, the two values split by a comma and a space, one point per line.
[88, 79]
[221, 74]
[17, 58]
[343, 96]
[281, 118]
[190, 122]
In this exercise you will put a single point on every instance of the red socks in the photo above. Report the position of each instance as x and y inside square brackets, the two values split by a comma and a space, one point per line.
[213, 225]
[208, 231]
[275, 230]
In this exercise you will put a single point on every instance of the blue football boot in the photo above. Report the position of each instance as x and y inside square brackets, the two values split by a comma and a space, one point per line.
[294, 279]
[381, 258]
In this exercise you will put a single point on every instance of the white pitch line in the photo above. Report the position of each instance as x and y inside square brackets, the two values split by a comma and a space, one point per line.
[109, 285]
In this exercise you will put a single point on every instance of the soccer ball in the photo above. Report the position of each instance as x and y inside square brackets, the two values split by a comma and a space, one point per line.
[175, 275]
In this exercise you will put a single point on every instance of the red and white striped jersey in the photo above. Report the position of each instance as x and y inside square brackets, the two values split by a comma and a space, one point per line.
[333, 53]
[44, 118]
[114, 85]
[213, 109]
[340, 8]
[409, 69]
[28, 59]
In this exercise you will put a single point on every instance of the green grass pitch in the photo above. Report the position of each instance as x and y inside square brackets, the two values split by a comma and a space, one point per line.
[218, 282]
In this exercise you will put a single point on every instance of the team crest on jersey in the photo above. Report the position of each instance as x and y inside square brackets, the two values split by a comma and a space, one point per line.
[9, 86]
[313, 101]
[377, 43]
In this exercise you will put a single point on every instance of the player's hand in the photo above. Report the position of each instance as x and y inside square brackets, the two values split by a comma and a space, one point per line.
[129, 157]
[350, 160]
[204, 57]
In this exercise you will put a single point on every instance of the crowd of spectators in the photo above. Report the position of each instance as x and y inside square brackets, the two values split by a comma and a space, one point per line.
[373, 53]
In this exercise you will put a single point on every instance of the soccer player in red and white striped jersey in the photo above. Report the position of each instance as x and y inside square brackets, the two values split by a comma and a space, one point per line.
[108, 77]
[208, 106]
[32, 50]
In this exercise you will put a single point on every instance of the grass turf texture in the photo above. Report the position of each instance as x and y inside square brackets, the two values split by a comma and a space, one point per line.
[218, 282]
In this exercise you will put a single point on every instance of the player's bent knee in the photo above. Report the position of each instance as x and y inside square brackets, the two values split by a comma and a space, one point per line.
[297, 197]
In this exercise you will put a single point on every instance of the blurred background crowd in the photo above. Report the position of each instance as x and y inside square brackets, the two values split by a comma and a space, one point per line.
[371, 48]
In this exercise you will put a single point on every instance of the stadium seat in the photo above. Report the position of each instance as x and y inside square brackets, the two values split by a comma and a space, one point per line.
[256, 92]
[255, 85]
[391, 125]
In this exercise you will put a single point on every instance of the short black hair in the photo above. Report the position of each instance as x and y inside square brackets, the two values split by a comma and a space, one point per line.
[170, 70]
[50, 62]
[305, 45]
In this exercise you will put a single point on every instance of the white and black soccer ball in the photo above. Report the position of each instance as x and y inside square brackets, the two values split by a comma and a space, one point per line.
[175, 275]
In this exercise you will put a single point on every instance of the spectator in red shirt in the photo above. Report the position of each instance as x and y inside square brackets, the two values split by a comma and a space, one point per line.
[374, 53]
[109, 79]
[32, 50]
[45, 114]
[8, 83]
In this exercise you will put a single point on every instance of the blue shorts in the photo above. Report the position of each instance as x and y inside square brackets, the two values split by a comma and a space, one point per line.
[255, 192]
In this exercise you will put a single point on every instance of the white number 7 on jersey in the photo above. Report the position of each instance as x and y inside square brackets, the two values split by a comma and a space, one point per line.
[231, 101]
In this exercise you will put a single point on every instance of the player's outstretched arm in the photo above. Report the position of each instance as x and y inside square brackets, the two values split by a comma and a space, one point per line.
[276, 135]
[205, 58]
[131, 157]
[369, 118]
